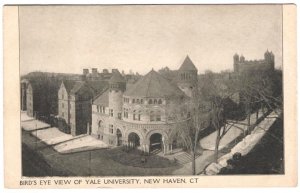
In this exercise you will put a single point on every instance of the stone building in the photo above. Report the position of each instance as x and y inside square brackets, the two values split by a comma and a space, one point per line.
[139, 116]
[75, 103]
[241, 65]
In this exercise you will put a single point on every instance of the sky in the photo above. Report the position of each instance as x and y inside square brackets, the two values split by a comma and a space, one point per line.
[69, 38]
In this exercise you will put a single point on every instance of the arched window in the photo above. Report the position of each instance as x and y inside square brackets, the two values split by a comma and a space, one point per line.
[139, 115]
[133, 100]
[159, 101]
[150, 101]
[137, 101]
[158, 116]
[152, 116]
[155, 101]
[99, 124]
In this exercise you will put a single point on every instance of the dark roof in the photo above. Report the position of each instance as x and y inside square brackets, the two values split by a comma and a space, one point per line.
[102, 99]
[153, 85]
[187, 64]
[78, 85]
[117, 77]
[38, 85]
[97, 86]
[69, 84]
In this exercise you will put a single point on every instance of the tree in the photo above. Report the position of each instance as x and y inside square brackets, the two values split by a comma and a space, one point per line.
[188, 119]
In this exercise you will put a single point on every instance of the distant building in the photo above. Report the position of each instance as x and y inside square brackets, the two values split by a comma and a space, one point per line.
[138, 116]
[241, 65]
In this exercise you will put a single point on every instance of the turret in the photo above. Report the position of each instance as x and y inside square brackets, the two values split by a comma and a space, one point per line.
[236, 60]
[270, 59]
[187, 77]
[117, 86]
[242, 58]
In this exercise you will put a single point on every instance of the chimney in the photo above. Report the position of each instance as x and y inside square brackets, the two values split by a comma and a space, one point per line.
[114, 70]
[94, 71]
[105, 71]
[85, 71]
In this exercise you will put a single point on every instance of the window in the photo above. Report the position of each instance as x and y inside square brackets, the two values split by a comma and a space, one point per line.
[62, 95]
[139, 115]
[111, 112]
[62, 105]
[111, 129]
[133, 100]
[159, 101]
[158, 116]
[142, 101]
[150, 101]
[63, 115]
[125, 113]
[99, 124]
[152, 116]
[119, 115]
[134, 115]
[155, 101]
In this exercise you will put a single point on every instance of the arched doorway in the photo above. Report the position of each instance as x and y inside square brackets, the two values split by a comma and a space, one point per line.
[134, 139]
[156, 142]
[119, 137]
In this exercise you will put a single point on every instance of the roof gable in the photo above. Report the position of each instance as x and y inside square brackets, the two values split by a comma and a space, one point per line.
[117, 77]
[187, 65]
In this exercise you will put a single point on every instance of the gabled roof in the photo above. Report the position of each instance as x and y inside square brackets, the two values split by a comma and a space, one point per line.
[69, 84]
[187, 65]
[153, 85]
[117, 77]
[97, 86]
[102, 99]
[78, 85]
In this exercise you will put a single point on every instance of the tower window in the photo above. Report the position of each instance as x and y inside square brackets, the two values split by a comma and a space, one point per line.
[155, 101]
[158, 116]
[159, 101]
[152, 116]
[150, 101]
[111, 112]
[134, 115]
[139, 115]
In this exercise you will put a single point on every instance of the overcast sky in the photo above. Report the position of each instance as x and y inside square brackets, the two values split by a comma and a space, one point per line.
[68, 39]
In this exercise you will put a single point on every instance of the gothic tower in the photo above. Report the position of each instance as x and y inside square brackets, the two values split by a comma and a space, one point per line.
[187, 77]
[236, 60]
[117, 86]
[269, 58]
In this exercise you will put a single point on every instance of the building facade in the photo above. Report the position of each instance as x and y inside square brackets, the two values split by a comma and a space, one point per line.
[241, 65]
[75, 103]
[140, 116]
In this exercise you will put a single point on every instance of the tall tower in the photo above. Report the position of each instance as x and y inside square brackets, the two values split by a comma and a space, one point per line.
[187, 77]
[236, 60]
[269, 58]
[117, 86]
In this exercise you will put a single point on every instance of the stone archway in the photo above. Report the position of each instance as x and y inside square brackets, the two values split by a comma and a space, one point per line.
[156, 143]
[134, 139]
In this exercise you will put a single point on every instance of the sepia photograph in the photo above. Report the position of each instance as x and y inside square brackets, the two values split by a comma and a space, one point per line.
[151, 90]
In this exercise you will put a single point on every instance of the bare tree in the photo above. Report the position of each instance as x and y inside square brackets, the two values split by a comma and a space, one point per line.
[190, 119]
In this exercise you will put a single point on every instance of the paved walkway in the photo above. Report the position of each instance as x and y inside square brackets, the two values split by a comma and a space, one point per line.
[208, 145]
